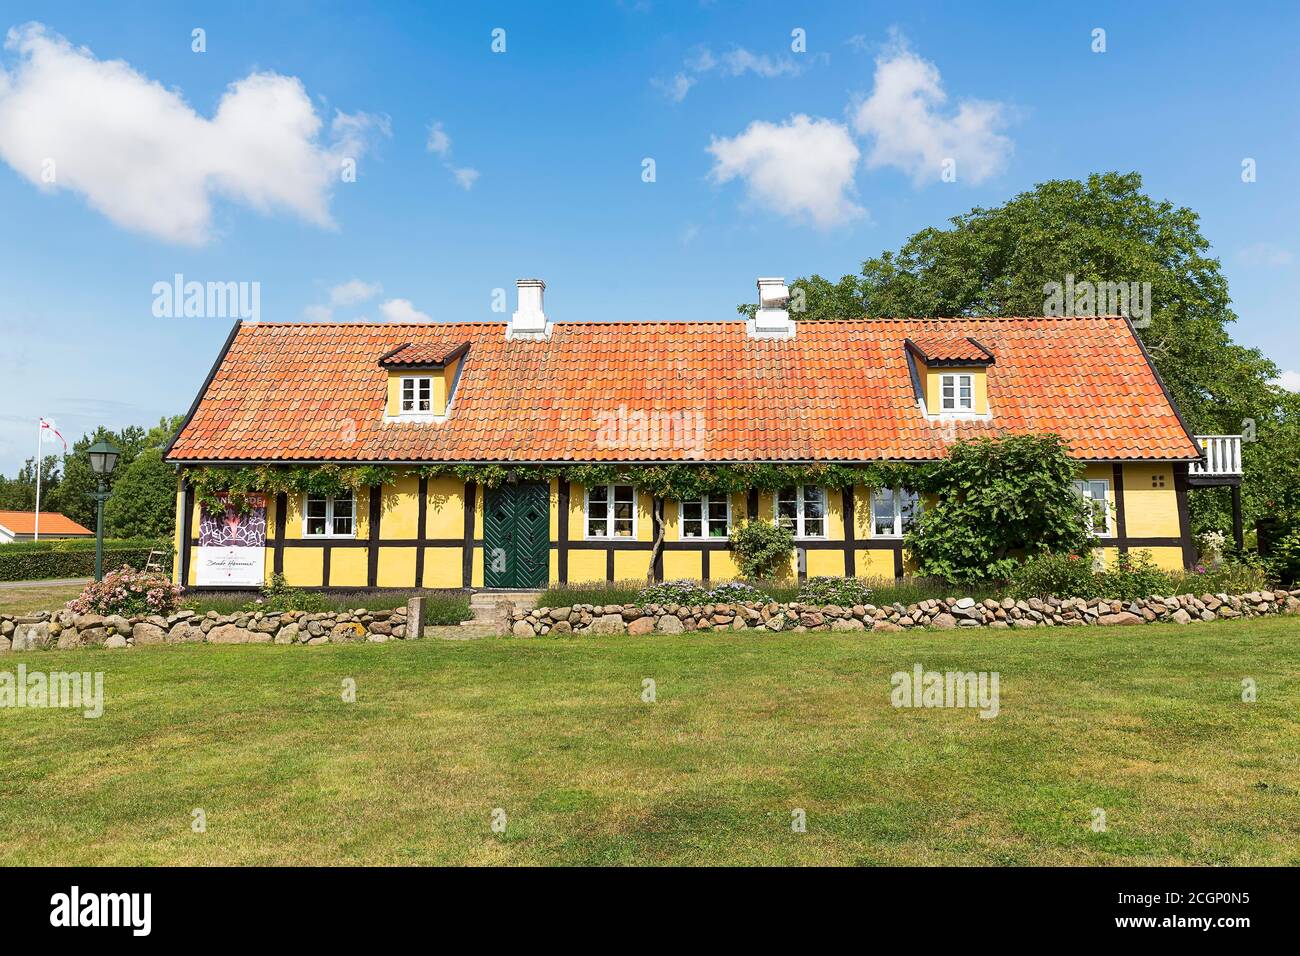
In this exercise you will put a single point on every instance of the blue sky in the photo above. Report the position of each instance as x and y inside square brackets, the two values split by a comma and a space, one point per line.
[536, 168]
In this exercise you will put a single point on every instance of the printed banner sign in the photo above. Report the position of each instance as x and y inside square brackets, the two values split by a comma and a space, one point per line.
[232, 546]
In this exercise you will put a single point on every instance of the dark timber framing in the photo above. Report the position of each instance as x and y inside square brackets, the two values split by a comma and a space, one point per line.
[187, 516]
[1121, 531]
[281, 517]
[850, 532]
[376, 515]
[467, 556]
[421, 530]
[1184, 515]
[562, 531]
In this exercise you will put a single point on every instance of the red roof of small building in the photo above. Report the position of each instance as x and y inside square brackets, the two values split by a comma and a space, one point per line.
[52, 523]
[417, 354]
[835, 391]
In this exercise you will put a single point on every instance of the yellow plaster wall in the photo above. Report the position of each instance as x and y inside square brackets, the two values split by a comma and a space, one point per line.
[442, 567]
[934, 391]
[1150, 512]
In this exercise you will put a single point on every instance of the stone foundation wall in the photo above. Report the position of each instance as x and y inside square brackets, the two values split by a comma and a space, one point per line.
[63, 629]
[948, 613]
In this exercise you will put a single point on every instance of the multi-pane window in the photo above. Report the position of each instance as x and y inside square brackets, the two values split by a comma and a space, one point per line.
[958, 393]
[330, 516]
[892, 511]
[417, 394]
[611, 511]
[1096, 492]
[708, 516]
[803, 510]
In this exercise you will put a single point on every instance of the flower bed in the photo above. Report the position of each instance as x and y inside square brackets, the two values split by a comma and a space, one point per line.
[948, 613]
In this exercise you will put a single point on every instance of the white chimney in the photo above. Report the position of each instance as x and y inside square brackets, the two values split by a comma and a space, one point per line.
[772, 320]
[529, 320]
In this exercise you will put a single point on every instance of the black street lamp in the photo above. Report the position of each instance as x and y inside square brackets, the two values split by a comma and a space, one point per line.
[103, 459]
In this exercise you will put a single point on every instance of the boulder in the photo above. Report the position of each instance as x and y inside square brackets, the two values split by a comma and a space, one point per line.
[347, 631]
[117, 623]
[668, 624]
[561, 627]
[146, 633]
[116, 642]
[229, 634]
[522, 629]
[642, 625]
[1180, 617]
[609, 624]
[1118, 619]
[847, 624]
[944, 621]
[287, 634]
[30, 637]
[4, 645]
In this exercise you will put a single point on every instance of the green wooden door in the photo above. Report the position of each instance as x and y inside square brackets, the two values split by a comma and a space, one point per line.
[516, 536]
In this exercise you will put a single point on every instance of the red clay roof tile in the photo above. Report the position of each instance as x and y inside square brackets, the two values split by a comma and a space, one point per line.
[702, 391]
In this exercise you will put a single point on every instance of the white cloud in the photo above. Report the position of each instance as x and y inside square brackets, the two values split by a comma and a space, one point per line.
[401, 310]
[904, 116]
[737, 62]
[440, 144]
[802, 169]
[354, 291]
[465, 176]
[1288, 380]
[1266, 254]
[318, 313]
[139, 154]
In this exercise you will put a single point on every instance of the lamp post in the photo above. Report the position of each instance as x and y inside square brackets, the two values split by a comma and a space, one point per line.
[103, 459]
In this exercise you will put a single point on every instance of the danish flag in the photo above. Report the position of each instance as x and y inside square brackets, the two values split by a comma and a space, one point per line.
[50, 429]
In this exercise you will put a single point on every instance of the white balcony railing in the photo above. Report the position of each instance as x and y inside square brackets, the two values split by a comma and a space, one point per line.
[1222, 456]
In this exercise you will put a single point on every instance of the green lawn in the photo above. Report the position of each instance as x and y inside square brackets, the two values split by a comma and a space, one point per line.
[1147, 723]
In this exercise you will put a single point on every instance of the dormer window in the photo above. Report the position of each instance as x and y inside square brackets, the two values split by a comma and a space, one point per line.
[958, 393]
[417, 394]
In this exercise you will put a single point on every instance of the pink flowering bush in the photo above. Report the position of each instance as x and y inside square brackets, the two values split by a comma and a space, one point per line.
[127, 591]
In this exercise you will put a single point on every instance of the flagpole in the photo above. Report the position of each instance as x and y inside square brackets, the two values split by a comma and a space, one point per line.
[40, 433]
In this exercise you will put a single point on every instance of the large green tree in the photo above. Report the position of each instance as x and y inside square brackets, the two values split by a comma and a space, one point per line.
[997, 262]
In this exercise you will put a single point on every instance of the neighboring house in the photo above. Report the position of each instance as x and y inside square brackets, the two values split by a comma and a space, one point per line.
[530, 391]
[21, 526]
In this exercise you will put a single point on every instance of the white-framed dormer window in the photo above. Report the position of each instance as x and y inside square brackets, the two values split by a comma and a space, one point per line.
[1096, 492]
[610, 511]
[329, 516]
[802, 509]
[956, 392]
[708, 516]
[417, 394]
[892, 512]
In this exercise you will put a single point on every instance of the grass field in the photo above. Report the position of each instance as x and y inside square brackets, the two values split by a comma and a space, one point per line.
[1146, 723]
[39, 597]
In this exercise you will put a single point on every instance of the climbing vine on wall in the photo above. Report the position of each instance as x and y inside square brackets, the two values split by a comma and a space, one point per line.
[670, 480]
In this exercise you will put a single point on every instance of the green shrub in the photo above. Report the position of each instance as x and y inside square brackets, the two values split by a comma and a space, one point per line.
[567, 595]
[39, 561]
[127, 591]
[845, 592]
[672, 592]
[999, 498]
[1134, 576]
[762, 548]
[446, 609]
[736, 592]
[278, 596]
[1236, 574]
[1054, 575]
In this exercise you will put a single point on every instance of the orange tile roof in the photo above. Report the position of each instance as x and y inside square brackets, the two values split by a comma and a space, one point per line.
[414, 354]
[932, 347]
[835, 391]
[24, 522]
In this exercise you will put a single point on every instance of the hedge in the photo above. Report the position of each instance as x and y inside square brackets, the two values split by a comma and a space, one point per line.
[41, 560]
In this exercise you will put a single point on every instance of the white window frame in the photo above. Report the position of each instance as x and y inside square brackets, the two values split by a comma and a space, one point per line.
[704, 501]
[329, 516]
[608, 491]
[1085, 488]
[954, 380]
[416, 388]
[799, 512]
[897, 495]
